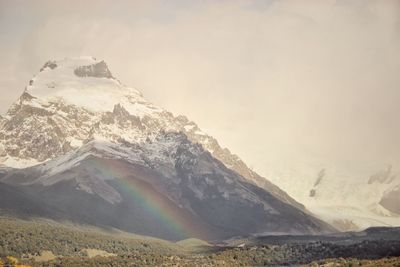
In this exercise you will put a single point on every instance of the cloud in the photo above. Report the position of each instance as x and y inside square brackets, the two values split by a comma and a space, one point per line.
[270, 79]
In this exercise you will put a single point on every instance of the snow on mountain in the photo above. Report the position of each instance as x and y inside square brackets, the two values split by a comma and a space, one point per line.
[349, 197]
[74, 101]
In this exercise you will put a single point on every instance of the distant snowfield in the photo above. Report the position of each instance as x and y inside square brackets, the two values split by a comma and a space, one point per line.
[348, 198]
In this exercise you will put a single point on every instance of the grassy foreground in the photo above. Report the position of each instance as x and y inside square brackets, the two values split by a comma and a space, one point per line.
[47, 243]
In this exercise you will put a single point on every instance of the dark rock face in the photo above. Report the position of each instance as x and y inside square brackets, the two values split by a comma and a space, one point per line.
[391, 200]
[320, 175]
[123, 118]
[49, 64]
[98, 70]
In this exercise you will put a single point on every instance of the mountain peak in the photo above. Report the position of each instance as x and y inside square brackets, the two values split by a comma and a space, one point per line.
[84, 82]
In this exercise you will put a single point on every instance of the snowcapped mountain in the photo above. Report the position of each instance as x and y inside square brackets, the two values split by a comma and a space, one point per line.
[349, 197]
[75, 100]
[80, 145]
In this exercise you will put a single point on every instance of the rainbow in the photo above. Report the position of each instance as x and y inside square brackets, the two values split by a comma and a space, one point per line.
[162, 210]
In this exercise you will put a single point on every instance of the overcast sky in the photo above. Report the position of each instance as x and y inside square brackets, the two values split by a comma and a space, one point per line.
[270, 79]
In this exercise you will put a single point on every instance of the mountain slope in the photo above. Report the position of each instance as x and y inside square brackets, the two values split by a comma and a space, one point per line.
[190, 194]
[77, 135]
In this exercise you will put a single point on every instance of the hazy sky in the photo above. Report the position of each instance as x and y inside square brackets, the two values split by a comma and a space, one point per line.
[270, 79]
